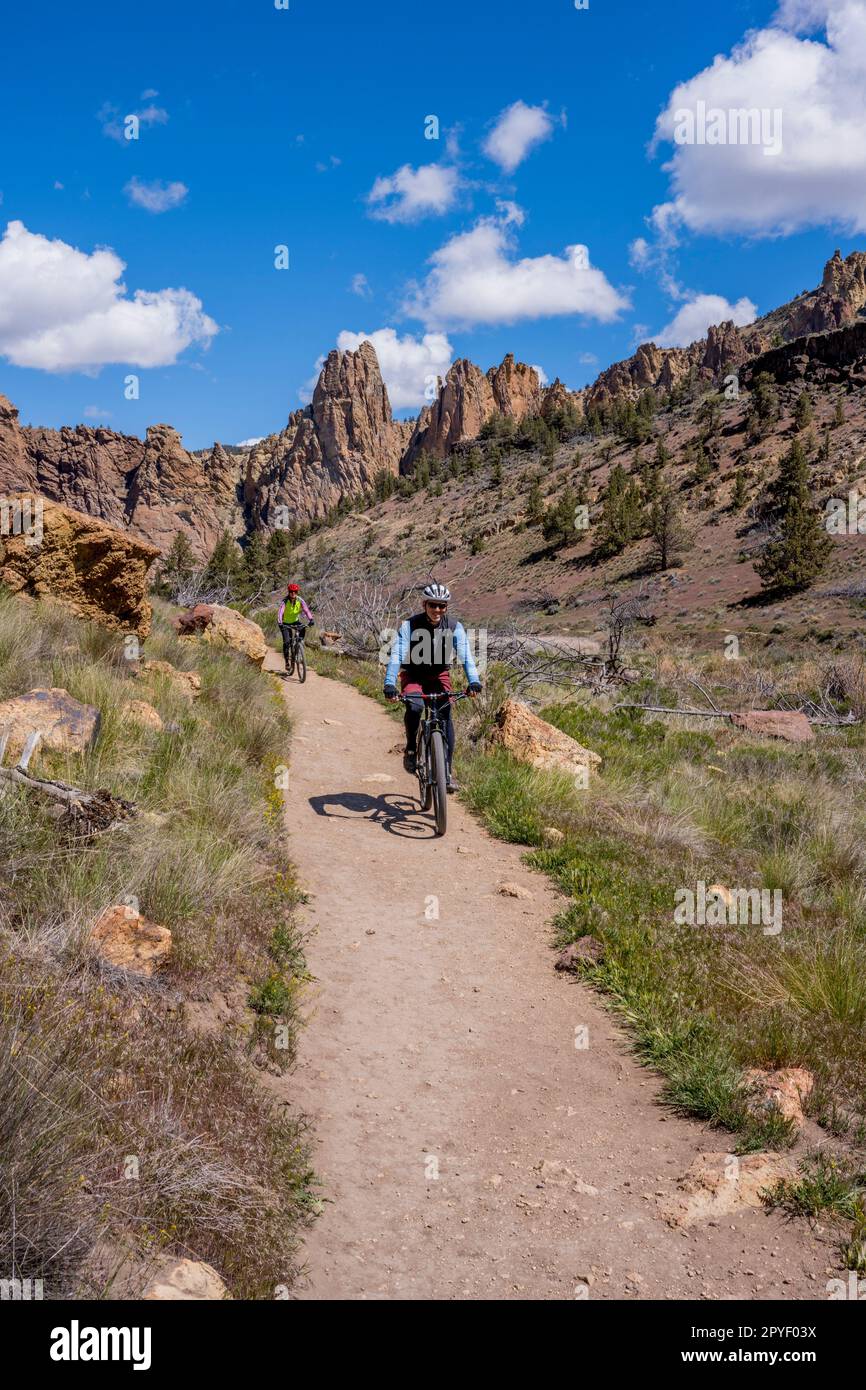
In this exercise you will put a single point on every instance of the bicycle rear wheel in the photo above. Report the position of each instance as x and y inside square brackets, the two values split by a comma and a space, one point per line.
[439, 779]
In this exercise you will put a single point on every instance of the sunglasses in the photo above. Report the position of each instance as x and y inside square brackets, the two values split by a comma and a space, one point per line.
[440, 607]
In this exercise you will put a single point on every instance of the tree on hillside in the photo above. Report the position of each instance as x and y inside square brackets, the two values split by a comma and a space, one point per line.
[559, 527]
[535, 503]
[803, 412]
[666, 527]
[224, 568]
[740, 494]
[279, 557]
[838, 413]
[256, 571]
[765, 404]
[178, 565]
[800, 552]
[621, 518]
[791, 480]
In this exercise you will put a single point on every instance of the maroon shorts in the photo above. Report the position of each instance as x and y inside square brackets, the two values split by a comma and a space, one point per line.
[425, 683]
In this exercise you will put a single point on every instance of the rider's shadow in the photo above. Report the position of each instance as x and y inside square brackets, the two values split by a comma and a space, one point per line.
[399, 815]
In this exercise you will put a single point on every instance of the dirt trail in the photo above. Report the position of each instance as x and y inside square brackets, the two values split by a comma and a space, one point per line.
[440, 1068]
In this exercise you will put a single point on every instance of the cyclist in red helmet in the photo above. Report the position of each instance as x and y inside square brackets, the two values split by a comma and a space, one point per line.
[294, 617]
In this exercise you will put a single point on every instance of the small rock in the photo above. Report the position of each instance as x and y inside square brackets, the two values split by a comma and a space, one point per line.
[378, 777]
[782, 1092]
[584, 952]
[717, 1184]
[185, 683]
[552, 836]
[790, 725]
[140, 712]
[187, 1279]
[128, 941]
[514, 890]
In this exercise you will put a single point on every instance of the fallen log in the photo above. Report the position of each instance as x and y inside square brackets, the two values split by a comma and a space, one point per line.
[96, 810]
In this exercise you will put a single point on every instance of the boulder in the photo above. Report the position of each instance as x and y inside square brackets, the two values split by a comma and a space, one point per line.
[718, 1184]
[775, 723]
[780, 1092]
[534, 741]
[187, 1279]
[140, 712]
[224, 627]
[128, 941]
[66, 725]
[185, 683]
[98, 572]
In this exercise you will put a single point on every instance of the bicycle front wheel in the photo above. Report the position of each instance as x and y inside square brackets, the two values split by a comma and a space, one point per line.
[439, 779]
[302, 664]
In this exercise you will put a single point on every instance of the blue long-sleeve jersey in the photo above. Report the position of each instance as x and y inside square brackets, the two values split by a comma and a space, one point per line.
[402, 650]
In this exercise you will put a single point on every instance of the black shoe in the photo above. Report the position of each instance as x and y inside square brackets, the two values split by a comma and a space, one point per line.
[410, 762]
[452, 785]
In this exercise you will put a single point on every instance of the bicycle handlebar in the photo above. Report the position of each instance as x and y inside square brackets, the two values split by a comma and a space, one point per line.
[437, 695]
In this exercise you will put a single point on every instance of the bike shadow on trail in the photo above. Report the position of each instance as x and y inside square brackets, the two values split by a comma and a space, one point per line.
[399, 815]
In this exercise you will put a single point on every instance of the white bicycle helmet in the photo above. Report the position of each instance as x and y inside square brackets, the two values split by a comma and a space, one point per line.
[437, 593]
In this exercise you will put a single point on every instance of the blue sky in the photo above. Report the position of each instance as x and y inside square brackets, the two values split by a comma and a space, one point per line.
[262, 127]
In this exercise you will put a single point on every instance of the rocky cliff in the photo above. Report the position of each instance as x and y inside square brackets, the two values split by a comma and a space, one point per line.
[839, 300]
[467, 399]
[337, 445]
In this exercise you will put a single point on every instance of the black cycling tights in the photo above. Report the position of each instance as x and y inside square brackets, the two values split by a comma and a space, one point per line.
[412, 718]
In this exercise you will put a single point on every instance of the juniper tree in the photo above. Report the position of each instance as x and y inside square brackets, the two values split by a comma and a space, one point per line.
[558, 526]
[800, 552]
[803, 412]
[621, 518]
[667, 529]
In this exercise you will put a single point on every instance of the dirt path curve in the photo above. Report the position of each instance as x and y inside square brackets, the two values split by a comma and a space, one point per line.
[440, 1067]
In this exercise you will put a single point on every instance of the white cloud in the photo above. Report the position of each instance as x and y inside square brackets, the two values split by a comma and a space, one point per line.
[510, 212]
[64, 310]
[249, 443]
[410, 194]
[541, 374]
[518, 129]
[95, 412]
[409, 365]
[113, 120]
[58, 185]
[155, 196]
[698, 313]
[476, 279]
[819, 87]
[361, 286]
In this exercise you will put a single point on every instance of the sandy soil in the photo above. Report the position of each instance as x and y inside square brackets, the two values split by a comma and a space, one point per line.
[445, 1061]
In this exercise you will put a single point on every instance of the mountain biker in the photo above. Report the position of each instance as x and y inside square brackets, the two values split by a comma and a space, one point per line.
[289, 619]
[421, 655]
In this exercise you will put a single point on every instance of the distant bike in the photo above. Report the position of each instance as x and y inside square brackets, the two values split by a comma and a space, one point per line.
[431, 757]
[293, 650]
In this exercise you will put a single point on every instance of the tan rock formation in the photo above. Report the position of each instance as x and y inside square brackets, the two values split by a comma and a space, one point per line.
[467, 399]
[334, 448]
[94, 569]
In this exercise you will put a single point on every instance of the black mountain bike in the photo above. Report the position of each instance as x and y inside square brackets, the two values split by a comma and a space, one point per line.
[432, 756]
[293, 650]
